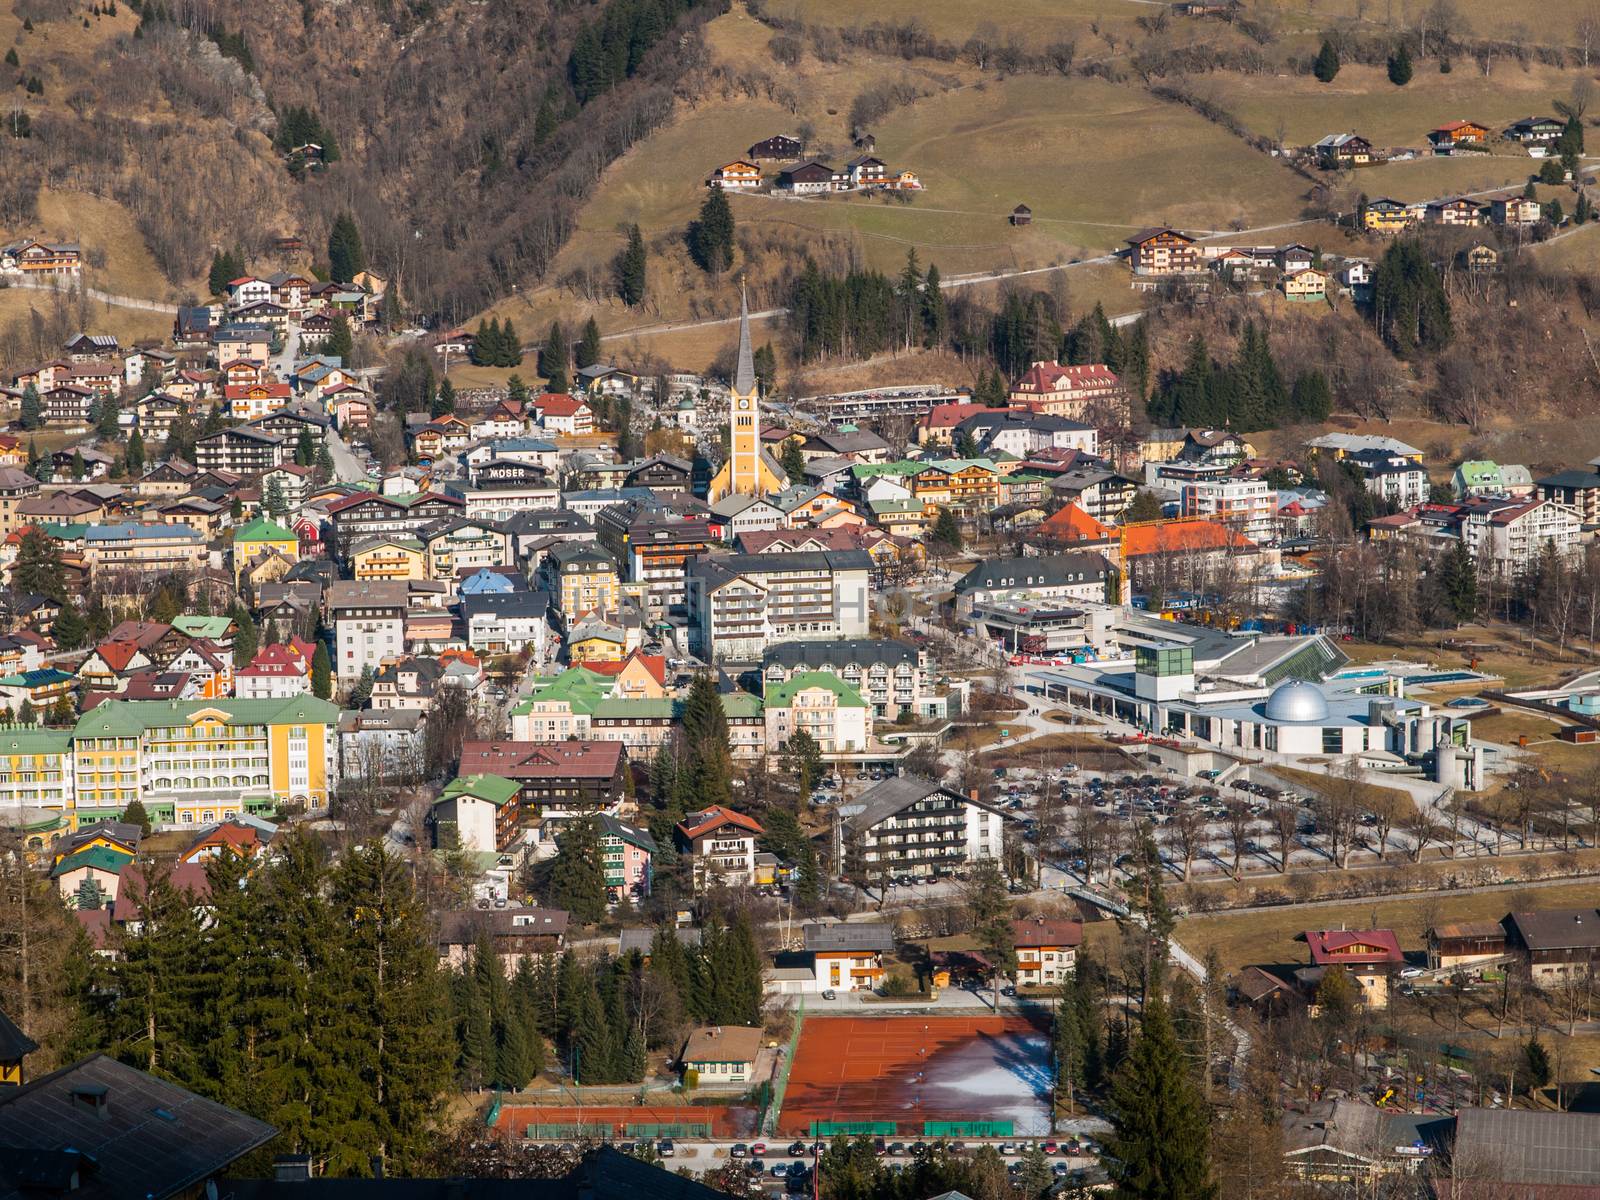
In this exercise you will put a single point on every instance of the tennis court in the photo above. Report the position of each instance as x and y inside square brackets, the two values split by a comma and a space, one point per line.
[912, 1070]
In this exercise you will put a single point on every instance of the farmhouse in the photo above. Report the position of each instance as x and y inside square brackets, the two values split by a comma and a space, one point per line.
[1533, 131]
[739, 175]
[1514, 209]
[781, 147]
[1344, 150]
[811, 177]
[1459, 212]
[1309, 284]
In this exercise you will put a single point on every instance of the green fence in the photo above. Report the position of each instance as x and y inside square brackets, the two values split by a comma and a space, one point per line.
[826, 1129]
[680, 1129]
[769, 1120]
[960, 1129]
[568, 1133]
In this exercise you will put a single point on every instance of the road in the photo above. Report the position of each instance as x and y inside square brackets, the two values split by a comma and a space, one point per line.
[347, 468]
[39, 285]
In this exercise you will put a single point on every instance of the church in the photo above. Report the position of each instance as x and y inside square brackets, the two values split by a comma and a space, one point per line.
[749, 471]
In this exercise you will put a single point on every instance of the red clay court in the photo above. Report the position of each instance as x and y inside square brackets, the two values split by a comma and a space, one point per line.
[913, 1069]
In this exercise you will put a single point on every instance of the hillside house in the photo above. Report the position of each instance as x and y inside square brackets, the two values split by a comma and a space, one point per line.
[812, 177]
[1446, 138]
[1514, 210]
[1344, 150]
[1163, 251]
[1533, 131]
[1479, 259]
[1459, 212]
[780, 146]
[1308, 284]
[722, 843]
[1384, 215]
[740, 175]
[42, 258]
[867, 171]
[1047, 949]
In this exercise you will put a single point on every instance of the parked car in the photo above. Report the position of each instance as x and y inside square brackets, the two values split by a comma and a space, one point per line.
[738, 1150]
[758, 1148]
[798, 1150]
[830, 994]
[664, 1148]
[1410, 972]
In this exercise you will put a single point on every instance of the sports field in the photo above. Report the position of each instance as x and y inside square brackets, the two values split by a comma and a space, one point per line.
[917, 1069]
[572, 1121]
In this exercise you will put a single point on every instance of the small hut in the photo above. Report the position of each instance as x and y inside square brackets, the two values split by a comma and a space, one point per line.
[1022, 215]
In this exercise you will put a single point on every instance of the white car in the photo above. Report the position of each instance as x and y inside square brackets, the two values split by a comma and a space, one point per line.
[1411, 972]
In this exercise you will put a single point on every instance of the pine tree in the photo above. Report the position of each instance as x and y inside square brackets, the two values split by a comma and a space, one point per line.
[305, 452]
[486, 343]
[321, 672]
[70, 629]
[935, 310]
[765, 362]
[153, 1024]
[631, 267]
[246, 638]
[793, 461]
[444, 400]
[1400, 66]
[32, 411]
[553, 359]
[63, 711]
[133, 456]
[37, 569]
[346, 259]
[1312, 399]
[1409, 305]
[273, 501]
[706, 776]
[710, 238]
[135, 814]
[587, 352]
[1327, 64]
[946, 531]
[577, 875]
[1161, 1147]
[340, 342]
[219, 275]
[361, 692]
[510, 346]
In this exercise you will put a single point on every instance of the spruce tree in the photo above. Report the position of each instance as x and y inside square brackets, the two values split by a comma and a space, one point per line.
[37, 569]
[1400, 66]
[935, 310]
[133, 456]
[510, 346]
[135, 814]
[444, 400]
[32, 412]
[765, 362]
[1327, 64]
[154, 1025]
[346, 259]
[1312, 399]
[340, 342]
[1161, 1147]
[553, 359]
[577, 874]
[70, 629]
[793, 461]
[246, 638]
[631, 267]
[587, 351]
[321, 672]
[710, 237]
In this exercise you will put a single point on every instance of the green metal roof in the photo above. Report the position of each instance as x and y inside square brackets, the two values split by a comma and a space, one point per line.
[781, 695]
[492, 789]
[264, 530]
[103, 858]
[198, 626]
[873, 470]
[129, 718]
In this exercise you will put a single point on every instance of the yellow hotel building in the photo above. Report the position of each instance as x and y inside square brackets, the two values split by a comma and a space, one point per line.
[190, 762]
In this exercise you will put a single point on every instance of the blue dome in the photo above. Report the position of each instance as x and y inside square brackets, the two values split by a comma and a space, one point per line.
[1297, 702]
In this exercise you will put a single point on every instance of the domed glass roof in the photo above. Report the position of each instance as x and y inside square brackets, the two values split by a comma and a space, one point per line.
[1297, 701]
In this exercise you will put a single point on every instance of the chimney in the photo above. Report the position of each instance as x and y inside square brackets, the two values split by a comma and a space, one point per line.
[291, 1168]
[974, 795]
[95, 1097]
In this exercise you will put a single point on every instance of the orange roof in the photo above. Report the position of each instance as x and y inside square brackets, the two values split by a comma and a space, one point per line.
[1072, 524]
[1189, 533]
[701, 823]
[117, 655]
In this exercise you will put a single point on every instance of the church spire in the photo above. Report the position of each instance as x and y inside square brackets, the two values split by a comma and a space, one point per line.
[744, 371]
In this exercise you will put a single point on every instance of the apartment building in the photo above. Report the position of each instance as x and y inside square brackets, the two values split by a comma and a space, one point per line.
[504, 623]
[888, 675]
[655, 546]
[191, 762]
[1508, 536]
[722, 845]
[242, 449]
[369, 619]
[822, 705]
[581, 577]
[739, 604]
[1249, 506]
[356, 518]
[558, 780]
[626, 855]
[907, 826]
[120, 556]
[1075, 575]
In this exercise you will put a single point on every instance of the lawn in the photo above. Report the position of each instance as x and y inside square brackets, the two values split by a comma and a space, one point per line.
[1267, 935]
[1362, 99]
[128, 324]
[102, 225]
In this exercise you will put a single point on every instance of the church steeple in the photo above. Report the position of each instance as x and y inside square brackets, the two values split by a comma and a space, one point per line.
[744, 371]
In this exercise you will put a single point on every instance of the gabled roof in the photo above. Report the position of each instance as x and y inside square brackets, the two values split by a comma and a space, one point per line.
[1360, 946]
[1185, 534]
[492, 789]
[1073, 524]
[697, 825]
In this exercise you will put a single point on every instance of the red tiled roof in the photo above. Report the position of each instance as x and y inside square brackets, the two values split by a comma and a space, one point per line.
[1047, 377]
[542, 760]
[701, 823]
[143, 633]
[117, 655]
[242, 391]
[1035, 932]
[558, 404]
[1072, 524]
[242, 838]
[948, 416]
[1361, 946]
[1190, 533]
[280, 661]
[187, 877]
